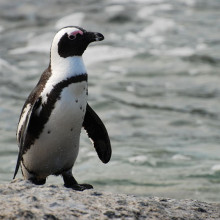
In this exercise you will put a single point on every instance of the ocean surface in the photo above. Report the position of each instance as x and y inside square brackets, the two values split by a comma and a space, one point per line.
[154, 81]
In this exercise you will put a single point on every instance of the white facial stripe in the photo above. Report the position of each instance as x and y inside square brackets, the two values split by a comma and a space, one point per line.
[58, 36]
[59, 63]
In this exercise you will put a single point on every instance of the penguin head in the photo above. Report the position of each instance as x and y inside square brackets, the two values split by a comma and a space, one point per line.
[72, 41]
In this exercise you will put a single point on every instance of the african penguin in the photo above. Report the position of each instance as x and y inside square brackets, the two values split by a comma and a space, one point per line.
[50, 123]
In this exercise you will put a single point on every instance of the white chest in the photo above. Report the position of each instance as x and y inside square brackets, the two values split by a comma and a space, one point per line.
[69, 110]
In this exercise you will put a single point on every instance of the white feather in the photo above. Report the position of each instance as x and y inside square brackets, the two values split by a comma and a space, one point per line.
[22, 118]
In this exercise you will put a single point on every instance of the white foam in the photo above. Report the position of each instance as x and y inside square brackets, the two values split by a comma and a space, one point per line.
[133, 37]
[159, 25]
[216, 167]
[134, 1]
[181, 51]
[151, 9]
[117, 69]
[193, 72]
[75, 19]
[146, 11]
[180, 157]
[106, 53]
[5, 64]
[1, 28]
[39, 44]
[201, 46]
[189, 2]
[157, 39]
[114, 9]
[138, 159]
[147, 1]
[91, 154]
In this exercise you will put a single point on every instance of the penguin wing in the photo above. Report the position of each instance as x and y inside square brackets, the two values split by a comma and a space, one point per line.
[23, 134]
[98, 134]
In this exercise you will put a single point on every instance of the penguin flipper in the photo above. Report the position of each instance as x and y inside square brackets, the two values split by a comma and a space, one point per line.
[98, 134]
[23, 134]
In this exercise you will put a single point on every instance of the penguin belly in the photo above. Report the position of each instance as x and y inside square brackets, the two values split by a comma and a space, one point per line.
[57, 147]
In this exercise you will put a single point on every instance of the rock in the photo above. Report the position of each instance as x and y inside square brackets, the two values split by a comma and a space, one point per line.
[23, 200]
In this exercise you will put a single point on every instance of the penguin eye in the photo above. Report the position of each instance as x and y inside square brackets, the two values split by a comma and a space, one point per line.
[72, 37]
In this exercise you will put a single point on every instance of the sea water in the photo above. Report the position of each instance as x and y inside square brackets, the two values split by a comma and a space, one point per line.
[154, 81]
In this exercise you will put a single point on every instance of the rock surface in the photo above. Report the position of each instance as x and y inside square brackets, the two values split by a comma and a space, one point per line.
[22, 200]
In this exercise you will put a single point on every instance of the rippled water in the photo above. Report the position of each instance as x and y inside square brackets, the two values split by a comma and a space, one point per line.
[155, 82]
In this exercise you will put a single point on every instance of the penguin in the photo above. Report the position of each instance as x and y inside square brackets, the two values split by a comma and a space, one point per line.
[54, 113]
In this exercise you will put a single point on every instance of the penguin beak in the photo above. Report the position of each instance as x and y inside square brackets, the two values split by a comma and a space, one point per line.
[94, 36]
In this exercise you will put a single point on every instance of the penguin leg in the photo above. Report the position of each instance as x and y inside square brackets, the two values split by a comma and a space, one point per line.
[70, 182]
[31, 177]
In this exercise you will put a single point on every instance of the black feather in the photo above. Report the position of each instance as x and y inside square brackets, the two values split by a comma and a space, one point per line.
[97, 132]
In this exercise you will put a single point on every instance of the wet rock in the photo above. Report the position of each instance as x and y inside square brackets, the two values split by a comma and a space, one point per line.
[22, 200]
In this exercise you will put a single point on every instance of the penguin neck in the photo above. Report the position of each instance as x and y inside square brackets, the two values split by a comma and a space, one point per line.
[68, 67]
[62, 70]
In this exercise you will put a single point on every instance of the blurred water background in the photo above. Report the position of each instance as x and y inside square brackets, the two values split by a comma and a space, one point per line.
[154, 81]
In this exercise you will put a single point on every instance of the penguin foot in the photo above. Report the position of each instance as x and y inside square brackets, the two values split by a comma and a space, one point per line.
[70, 182]
[79, 187]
